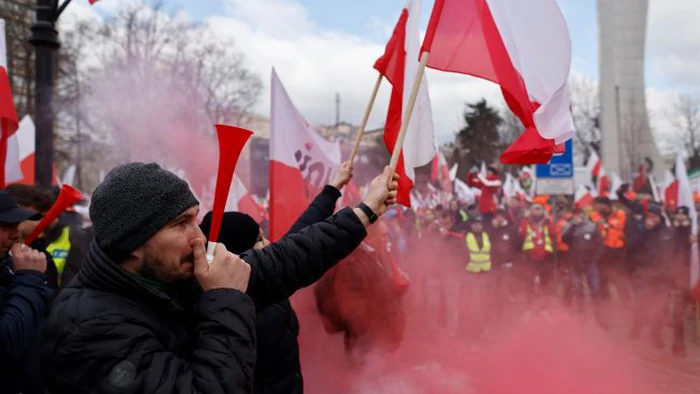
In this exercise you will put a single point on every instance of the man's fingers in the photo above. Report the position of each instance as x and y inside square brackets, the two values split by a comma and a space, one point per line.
[16, 249]
[220, 249]
[200, 255]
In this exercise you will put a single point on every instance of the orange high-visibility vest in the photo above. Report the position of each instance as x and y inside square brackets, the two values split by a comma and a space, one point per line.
[613, 229]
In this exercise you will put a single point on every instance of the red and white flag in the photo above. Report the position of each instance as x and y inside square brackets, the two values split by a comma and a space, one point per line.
[399, 65]
[594, 166]
[301, 161]
[19, 164]
[239, 199]
[8, 115]
[440, 173]
[583, 197]
[685, 199]
[523, 46]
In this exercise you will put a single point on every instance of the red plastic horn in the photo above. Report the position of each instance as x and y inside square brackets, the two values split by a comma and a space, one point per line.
[68, 196]
[231, 142]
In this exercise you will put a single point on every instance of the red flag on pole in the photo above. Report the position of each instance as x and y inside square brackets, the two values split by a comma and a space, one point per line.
[399, 67]
[523, 46]
[8, 115]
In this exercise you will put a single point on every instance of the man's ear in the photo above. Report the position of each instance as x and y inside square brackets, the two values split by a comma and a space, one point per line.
[134, 261]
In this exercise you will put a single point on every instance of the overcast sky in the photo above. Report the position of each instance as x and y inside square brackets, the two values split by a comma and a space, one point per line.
[320, 47]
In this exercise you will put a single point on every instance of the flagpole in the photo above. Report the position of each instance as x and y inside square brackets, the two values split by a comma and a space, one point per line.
[365, 119]
[409, 109]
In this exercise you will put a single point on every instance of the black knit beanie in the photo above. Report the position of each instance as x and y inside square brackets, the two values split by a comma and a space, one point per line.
[133, 202]
[239, 232]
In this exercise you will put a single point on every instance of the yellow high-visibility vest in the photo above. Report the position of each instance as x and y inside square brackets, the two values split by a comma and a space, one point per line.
[59, 251]
[529, 243]
[479, 259]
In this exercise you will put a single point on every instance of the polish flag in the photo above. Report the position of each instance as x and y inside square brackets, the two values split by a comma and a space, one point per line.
[399, 65]
[239, 199]
[301, 161]
[19, 163]
[440, 173]
[523, 46]
[583, 197]
[685, 199]
[594, 166]
[8, 114]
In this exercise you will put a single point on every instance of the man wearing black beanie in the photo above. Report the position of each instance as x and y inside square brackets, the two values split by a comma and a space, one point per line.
[131, 321]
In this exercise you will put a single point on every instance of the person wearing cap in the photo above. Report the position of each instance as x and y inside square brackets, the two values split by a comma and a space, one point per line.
[66, 245]
[585, 248]
[653, 278]
[278, 368]
[24, 298]
[148, 313]
[612, 225]
[537, 232]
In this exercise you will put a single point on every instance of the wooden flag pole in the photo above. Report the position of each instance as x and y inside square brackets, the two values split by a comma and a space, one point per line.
[365, 119]
[407, 115]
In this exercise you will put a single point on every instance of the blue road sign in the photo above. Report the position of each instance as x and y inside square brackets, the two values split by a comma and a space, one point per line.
[561, 166]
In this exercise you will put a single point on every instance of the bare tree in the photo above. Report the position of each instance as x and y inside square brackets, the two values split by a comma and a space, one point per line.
[149, 86]
[19, 16]
[585, 107]
[686, 120]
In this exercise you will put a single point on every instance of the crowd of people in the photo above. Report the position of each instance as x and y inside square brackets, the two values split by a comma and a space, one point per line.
[126, 301]
[529, 253]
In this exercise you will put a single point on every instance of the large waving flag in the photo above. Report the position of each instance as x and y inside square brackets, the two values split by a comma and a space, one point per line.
[685, 199]
[8, 115]
[301, 161]
[523, 46]
[399, 65]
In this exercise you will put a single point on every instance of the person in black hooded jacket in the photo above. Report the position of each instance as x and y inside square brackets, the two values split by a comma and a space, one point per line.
[278, 368]
[134, 321]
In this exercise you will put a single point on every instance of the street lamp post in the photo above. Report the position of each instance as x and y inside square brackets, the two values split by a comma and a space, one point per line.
[45, 42]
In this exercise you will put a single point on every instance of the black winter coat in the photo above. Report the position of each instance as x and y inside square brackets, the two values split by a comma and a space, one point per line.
[585, 243]
[109, 333]
[24, 297]
[657, 251]
[506, 243]
[278, 369]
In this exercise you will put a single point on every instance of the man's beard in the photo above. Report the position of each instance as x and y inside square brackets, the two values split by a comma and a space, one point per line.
[150, 269]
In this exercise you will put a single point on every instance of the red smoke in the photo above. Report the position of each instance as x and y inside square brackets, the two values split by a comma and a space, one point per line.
[497, 347]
